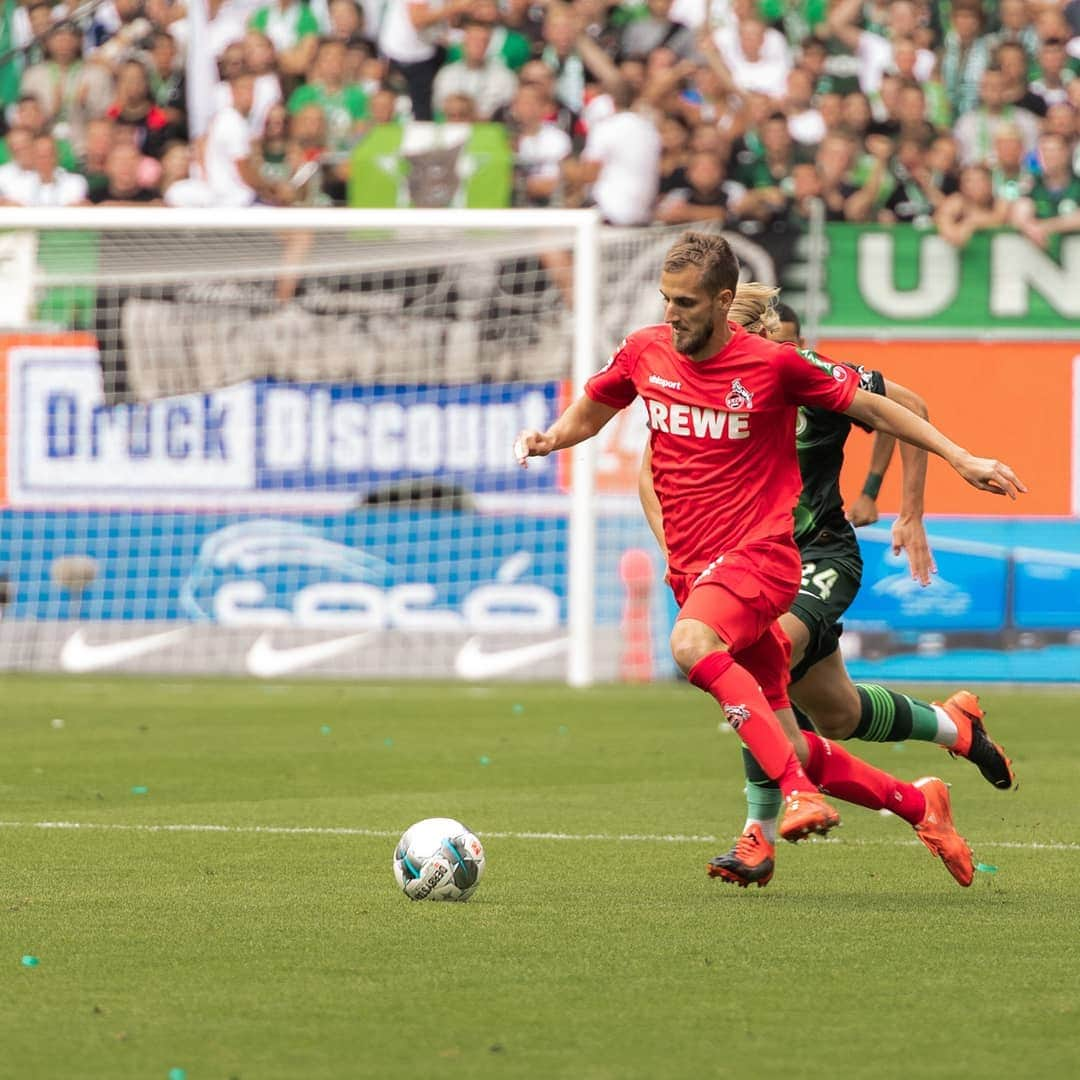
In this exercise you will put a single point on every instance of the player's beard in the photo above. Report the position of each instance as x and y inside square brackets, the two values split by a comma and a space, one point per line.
[689, 343]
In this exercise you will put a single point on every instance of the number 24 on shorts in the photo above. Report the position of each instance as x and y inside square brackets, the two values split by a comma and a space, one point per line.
[823, 580]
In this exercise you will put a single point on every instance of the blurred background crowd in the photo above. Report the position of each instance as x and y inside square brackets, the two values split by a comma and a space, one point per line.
[963, 115]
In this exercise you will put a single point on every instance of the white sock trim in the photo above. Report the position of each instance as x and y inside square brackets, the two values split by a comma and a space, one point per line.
[766, 825]
[947, 733]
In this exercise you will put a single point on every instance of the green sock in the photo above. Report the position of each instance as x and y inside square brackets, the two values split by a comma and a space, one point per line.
[763, 798]
[890, 717]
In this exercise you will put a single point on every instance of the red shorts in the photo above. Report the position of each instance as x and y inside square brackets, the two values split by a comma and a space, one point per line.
[740, 597]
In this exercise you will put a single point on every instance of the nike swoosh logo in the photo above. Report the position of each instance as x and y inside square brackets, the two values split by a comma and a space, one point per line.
[78, 655]
[807, 592]
[266, 662]
[473, 663]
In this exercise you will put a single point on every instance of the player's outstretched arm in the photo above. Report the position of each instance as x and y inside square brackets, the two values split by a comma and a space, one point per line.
[864, 511]
[649, 502]
[581, 421]
[908, 533]
[881, 414]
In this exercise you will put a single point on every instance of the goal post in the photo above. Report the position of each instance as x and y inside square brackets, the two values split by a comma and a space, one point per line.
[278, 442]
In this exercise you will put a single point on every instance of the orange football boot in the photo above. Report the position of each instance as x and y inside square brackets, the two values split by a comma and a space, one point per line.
[938, 833]
[749, 862]
[807, 812]
[974, 743]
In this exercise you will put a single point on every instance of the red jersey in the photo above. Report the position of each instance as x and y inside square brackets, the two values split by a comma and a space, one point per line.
[723, 434]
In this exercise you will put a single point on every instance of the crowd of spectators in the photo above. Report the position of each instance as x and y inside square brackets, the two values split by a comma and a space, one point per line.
[961, 114]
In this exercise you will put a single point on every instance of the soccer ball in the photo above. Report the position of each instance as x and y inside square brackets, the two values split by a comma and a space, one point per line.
[438, 859]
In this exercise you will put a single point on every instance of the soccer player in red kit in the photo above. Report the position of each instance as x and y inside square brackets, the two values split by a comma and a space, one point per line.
[722, 409]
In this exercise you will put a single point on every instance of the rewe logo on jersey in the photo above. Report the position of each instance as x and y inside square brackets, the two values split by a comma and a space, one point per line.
[738, 396]
[698, 421]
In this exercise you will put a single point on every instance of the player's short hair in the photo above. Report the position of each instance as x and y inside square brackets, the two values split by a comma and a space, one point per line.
[754, 307]
[786, 313]
[711, 254]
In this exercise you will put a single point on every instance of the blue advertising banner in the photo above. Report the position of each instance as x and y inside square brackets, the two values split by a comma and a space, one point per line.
[1047, 590]
[256, 443]
[969, 591]
[992, 612]
[347, 438]
[369, 570]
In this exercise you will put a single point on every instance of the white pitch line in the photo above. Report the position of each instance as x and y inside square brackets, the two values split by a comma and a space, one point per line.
[391, 834]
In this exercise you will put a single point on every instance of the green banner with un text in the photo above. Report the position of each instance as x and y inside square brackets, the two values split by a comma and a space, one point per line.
[906, 282]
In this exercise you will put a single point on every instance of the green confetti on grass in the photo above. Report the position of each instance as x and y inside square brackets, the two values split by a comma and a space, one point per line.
[325, 729]
[30, 961]
[140, 789]
[485, 760]
[985, 868]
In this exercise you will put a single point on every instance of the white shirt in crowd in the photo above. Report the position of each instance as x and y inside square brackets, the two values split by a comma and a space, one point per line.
[627, 146]
[766, 75]
[400, 40]
[228, 140]
[267, 93]
[539, 154]
[807, 127]
[875, 56]
[25, 187]
[491, 86]
[9, 175]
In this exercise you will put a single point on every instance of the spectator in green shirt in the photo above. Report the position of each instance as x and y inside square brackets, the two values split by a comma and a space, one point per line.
[965, 55]
[1054, 203]
[344, 104]
[30, 117]
[294, 30]
[507, 45]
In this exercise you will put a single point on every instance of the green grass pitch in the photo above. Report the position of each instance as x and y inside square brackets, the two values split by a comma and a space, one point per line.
[605, 953]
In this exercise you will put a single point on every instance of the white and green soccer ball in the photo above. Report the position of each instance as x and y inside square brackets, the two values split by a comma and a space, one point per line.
[438, 859]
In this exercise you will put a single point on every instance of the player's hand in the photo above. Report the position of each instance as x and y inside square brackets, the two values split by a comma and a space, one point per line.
[863, 511]
[986, 474]
[532, 444]
[909, 535]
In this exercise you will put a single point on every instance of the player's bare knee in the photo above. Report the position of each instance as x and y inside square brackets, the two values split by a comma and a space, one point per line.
[831, 725]
[691, 641]
[841, 719]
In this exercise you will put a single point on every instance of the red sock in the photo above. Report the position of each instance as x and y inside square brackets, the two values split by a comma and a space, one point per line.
[753, 721]
[836, 771]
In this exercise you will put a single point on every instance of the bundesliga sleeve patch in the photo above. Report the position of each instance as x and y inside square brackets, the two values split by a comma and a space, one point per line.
[835, 370]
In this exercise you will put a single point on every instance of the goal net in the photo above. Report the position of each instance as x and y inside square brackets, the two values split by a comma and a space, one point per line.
[279, 443]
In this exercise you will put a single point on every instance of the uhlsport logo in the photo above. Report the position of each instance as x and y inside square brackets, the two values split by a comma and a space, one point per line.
[736, 715]
[667, 384]
[738, 396]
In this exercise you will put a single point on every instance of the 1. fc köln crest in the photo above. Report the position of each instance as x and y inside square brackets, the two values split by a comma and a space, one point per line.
[738, 397]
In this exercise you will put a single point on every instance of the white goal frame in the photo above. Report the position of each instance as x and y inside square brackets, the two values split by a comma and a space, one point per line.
[585, 227]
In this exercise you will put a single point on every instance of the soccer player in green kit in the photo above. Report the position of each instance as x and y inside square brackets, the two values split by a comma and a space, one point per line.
[832, 571]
